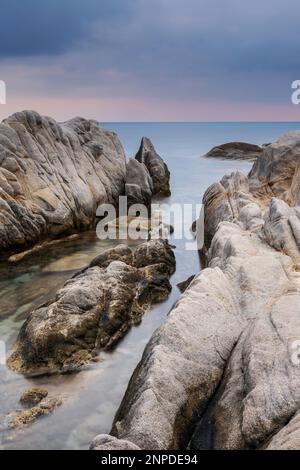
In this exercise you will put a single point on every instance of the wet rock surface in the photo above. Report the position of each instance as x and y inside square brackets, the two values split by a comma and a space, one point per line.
[94, 309]
[223, 371]
[53, 176]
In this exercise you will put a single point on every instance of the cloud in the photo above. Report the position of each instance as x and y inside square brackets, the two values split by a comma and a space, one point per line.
[49, 27]
[193, 52]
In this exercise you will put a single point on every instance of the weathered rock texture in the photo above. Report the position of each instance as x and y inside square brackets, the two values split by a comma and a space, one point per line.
[53, 176]
[44, 407]
[139, 185]
[94, 309]
[156, 167]
[235, 151]
[33, 396]
[223, 372]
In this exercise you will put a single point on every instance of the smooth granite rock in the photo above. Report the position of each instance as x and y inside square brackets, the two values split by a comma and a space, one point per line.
[53, 177]
[223, 371]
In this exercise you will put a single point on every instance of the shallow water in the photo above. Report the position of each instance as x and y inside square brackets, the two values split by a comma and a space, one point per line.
[92, 396]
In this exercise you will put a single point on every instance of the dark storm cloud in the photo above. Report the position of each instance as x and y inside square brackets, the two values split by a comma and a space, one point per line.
[203, 50]
[47, 27]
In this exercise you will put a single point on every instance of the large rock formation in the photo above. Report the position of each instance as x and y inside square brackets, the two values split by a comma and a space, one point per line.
[94, 309]
[53, 176]
[235, 151]
[223, 372]
[156, 167]
[147, 175]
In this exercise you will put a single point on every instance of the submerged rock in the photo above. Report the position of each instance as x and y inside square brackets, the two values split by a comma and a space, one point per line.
[44, 408]
[94, 309]
[235, 151]
[156, 167]
[33, 396]
[53, 176]
[223, 371]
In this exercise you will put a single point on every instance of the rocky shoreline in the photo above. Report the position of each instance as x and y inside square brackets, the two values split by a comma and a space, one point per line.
[53, 177]
[78, 166]
[94, 309]
[222, 372]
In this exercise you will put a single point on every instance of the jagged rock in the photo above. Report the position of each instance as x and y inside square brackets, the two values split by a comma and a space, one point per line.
[224, 201]
[235, 151]
[33, 396]
[221, 372]
[53, 176]
[93, 310]
[157, 168]
[139, 186]
[154, 252]
[182, 286]
[277, 172]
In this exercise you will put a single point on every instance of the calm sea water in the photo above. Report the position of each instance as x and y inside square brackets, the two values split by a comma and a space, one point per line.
[91, 397]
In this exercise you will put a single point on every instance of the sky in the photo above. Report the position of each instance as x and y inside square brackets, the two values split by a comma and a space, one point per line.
[151, 60]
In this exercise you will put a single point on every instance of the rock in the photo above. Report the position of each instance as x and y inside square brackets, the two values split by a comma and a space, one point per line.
[235, 151]
[93, 310]
[105, 442]
[33, 396]
[223, 371]
[139, 186]
[120, 253]
[282, 229]
[277, 172]
[154, 252]
[182, 286]
[156, 167]
[224, 201]
[44, 408]
[288, 438]
[53, 177]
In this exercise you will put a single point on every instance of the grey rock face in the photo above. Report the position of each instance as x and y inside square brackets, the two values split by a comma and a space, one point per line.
[156, 167]
[139, 186]
[235, 151]
[276, 173]
[53, 176]
[221, 372]
[94, 309]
